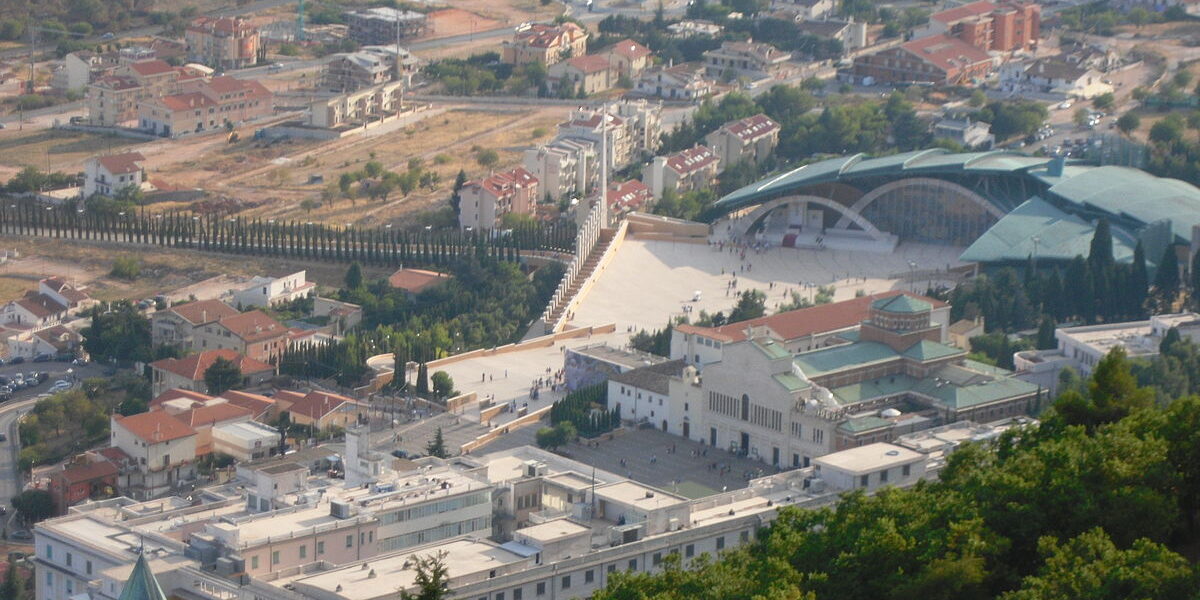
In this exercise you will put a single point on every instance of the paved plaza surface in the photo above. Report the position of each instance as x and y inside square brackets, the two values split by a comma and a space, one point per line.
[649, 282]
[680, 471]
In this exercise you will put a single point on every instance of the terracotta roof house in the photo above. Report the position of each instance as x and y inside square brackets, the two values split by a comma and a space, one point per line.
[161, 450]
[188, 372]
[545, 44]
[628, 58]
[323, 409]
[415, 281]
[940, 60]
[590, 73]
[253, 334]
[81, 480]
[750, 139]
[691, 169]
[484, 202]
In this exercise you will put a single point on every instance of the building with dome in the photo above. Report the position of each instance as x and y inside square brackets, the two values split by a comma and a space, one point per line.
[892, 374]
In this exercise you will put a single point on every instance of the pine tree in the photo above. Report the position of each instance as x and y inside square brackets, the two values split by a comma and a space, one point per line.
[436, 446]
[422, 380]
[354, 276]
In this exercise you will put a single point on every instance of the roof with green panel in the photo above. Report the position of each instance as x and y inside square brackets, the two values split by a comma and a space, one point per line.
[772, 349]
[967, 396]
[902, 303]
[874, 388]
[1037, 229]
[846, 356]
[791, 382]
[142, 584]
[861, 424]
[927, 350]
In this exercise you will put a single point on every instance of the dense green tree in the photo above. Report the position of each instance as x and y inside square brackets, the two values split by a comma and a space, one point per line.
[223, 375]
[437, 445]
[432, 579]
[34, 505]
[751, 304]
[422, 380]
[354, 276]
[13, 587]
[1166, 278]
[1128, 123]
[443, 385]
[118, 331]
[1045, 334]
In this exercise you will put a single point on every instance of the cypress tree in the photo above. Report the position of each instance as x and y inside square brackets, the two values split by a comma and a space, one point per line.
[1045, 334]
[1101, 254]
[1166, 279]
[422, 380]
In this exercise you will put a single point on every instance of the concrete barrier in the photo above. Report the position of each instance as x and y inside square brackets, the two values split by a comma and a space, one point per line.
[642, 225]
[458, 403]
[491, 436]
[491, 412]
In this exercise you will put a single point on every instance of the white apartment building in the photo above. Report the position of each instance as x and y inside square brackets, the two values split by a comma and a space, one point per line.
[269, 291]
[161, 451]
[246, 440]
[107, 175]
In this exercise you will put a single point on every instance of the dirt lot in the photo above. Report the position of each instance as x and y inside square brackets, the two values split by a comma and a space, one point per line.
[455, 21]
[62, 150]
[163, 269]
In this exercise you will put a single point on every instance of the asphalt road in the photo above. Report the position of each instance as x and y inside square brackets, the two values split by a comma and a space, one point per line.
[11, 480]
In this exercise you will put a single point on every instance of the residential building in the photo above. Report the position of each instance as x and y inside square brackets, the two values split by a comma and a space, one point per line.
[483, 203]
[969, 133]
[161, 451]
[322, 409]
[962, 330]
[852, 34]
[383, 25]
[687, 170]
[269, 291]
[811, 10]
[77, 71]
[752, 139]
[797, 330]
[188, 372]
[54, 301]
[590, 73]
[113, 97]
[107, 175]
[213, 105]
[565, 167]
[680, 82]
[56, 340]
[415, 281]
[695, 28]
[245, 440]
[1002, 26]
[940, 60]
[628, 58]
[88, 476]
[368, 67]
[627, 196]
[752, 60]
[253, 334]
[357, 108]
[176, 325]
[205, 417]
[342, 316]
[545, 44]
[1054, 75]
[222, 42]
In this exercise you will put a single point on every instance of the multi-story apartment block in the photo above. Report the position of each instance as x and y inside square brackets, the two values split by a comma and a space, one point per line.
[753, 60]
[357, 108]
[679, 82]
[369, 66]
[684, 171]
[545, 44]
[940, 60]
[751, 139]
[207, 107]
[253, 334]
[564, 167]
[383, 25]
[222, 42]
[1002, 26]
[160, 453]
[112, 100]
[484, 202]
[175, 326]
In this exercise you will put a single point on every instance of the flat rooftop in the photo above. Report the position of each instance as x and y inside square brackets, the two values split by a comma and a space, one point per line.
[386, 574]
[634, 494]
[629, 359]
[869, 458]
[1135, 337]
[553, 530]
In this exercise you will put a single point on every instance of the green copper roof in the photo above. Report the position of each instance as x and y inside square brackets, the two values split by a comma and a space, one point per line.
[927, 350]
[772, 349]
[862, 424]
[873, 388]
[1037, 228]
[902, 303]
[837, 358]
[967, 396]
[142, 584]
[791, 382]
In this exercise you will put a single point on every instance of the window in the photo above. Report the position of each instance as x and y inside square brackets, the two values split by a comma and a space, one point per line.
[350, 541]
[611, 568]
[517, 593]
[906, 470]
[49, 579]
[721, 543]
[275, 557]
[589, 576]
[566, 582]
[883, 476]
[320, 548]
[541, 588]
[492, 574]
[689, 550]
[499, 596]
[304, 551]
[88, 567]
[68, 559]
[49, 552]
[657, 558]
[865, 480]
[745, 536]
[253, 562]
[633, 564]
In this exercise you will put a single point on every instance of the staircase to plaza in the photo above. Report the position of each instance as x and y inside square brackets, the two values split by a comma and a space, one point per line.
[586, 270]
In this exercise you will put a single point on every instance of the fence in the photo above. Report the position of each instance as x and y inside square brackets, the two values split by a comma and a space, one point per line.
[585, 242]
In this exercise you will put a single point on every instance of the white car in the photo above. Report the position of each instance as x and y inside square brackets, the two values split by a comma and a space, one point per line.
[1065, 104]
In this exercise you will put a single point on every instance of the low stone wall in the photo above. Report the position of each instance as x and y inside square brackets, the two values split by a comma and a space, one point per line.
[544, 341]
[491, 436]
[458, 403]
[644, 226]
[489, 413]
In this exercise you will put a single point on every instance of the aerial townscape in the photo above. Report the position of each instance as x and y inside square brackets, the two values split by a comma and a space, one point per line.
[599, 299]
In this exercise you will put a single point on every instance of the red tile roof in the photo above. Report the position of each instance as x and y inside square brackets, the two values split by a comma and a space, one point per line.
[116, 82]
[315, 405]
[253, 326]
[115, 455]
[751, 128]
[590, 63]
[177, 393]
[88, 472]
[630, 49]
[211, 414]
[255, 403]
[155, 427]
[966, 11]
[66, 290]
[121, 164]
[947, 53]
[222, 25]
[627, 195]
[193, 367]
[507, 182]
[153, 66]
[187, 101]
[416, 281]
[692, 159]
[798, 323]
[203, 311]
[40, 305]
[547, 36]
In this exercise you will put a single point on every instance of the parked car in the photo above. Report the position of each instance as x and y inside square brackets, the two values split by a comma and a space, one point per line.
[42, 376]
[3, 437]
[17, 360]
[43, 358]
